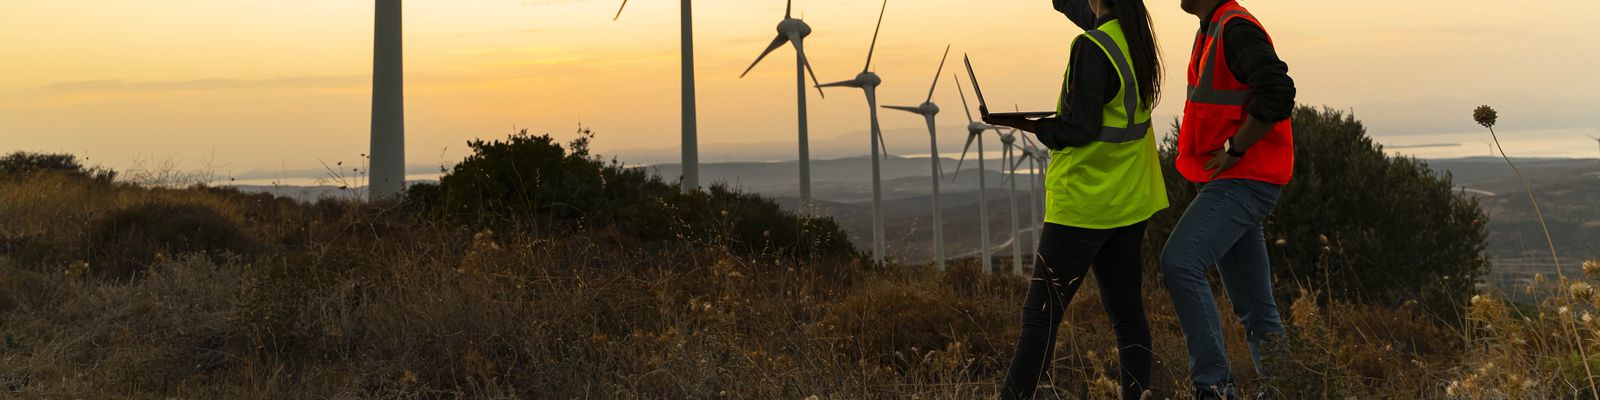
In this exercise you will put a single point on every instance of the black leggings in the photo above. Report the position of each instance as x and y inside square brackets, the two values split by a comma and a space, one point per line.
[1065, 256]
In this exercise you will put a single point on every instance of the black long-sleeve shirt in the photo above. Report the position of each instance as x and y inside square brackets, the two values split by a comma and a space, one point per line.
[1249, 54]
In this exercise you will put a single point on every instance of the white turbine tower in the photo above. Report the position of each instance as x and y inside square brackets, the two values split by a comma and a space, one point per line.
[792, 30]
[691, 147]
[387, 168]
[1008, 142]
[928, 111]
[975, 131]
[868, 82]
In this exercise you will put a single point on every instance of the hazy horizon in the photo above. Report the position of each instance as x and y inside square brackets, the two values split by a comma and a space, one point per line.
[277, 87]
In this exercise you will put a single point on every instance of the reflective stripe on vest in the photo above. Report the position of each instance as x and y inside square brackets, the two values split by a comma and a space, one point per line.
[1132, 130]
[1205, 92]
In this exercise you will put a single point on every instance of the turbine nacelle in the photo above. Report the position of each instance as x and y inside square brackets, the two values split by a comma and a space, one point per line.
[790, 27]
[868, 79]
[865, 80]
[1008, 138]
[977, 128]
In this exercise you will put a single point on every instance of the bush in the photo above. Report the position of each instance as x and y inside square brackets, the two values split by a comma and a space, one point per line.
[531, 181]
[1358, 223]
[129, 239]
[24, 163]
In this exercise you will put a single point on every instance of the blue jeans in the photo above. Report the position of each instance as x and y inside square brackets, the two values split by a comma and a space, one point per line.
[1222, 227]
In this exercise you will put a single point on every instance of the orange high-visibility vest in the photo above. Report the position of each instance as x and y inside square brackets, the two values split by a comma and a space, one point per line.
[1216, 109]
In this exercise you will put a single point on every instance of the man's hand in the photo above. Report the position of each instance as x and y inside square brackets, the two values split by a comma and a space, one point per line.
[1220, 161]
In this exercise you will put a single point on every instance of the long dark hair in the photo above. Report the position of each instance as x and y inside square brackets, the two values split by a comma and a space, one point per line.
[1146, 57]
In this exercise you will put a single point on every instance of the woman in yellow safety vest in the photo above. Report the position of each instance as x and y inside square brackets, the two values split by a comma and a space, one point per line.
[1103, 184]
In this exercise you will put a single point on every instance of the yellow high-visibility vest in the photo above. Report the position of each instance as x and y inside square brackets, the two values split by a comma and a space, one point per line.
[1114, 181]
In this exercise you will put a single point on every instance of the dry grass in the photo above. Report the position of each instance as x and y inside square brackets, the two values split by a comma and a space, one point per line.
[342, 300]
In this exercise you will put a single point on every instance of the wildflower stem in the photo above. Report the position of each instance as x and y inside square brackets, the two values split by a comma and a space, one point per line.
[1583, 351]
[1529, 189]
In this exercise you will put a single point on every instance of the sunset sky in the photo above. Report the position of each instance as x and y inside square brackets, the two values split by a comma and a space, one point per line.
[284, 85]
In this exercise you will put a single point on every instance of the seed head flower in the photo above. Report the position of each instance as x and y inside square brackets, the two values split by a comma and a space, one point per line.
[1582, 290]
[1591, 267]
[1485, 116]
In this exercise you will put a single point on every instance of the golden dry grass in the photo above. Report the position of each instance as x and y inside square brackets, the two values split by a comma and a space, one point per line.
[344, 300]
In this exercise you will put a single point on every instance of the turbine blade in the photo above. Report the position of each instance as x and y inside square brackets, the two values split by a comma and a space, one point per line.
[875, 31]
[787, 9]
[964, 106]
[914, 110]
[619, 10]
[800, 51]
[849, 83]
[883, 146]
[937, 74]
[776, 43]
[963, 157]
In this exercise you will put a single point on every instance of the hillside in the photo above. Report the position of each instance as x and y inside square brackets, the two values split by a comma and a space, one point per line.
[535, 270]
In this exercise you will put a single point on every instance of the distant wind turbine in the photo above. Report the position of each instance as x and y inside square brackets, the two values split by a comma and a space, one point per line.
[1032, 155]
[1596, 138]
[975, 131]
[691, 147]
[868, 81]
[1008, 143]
[794, 31]
[928, 111]
[387, 168]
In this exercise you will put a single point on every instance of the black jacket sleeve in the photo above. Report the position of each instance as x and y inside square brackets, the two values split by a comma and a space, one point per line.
[1254, 61]
[1088, 88]
[1078, 11]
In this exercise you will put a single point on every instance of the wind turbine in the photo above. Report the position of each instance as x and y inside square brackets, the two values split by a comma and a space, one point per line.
[386, 173]
[868, 81]
[928, 111]
[691, 129]
[1032, 155]
[1596, 138]
[792, 30]
[975, 130]
[1008, 142]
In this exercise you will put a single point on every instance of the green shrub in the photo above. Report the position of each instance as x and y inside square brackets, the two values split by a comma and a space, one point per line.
[1396, 231]
[24, 163]
[530, 181]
